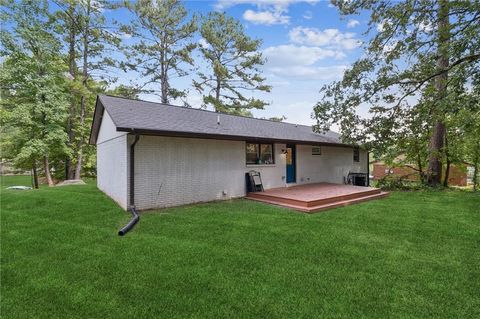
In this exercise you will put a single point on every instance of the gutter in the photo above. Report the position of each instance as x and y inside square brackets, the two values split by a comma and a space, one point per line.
[135, 217]
[189, 134]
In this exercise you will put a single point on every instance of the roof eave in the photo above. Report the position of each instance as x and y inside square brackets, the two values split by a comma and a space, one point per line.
[97, 121]
[223, 137]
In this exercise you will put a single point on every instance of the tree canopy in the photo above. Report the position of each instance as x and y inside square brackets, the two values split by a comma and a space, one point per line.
[34, 89]
[58, 55]
[164, 49]
[233, 59]
[419, 54]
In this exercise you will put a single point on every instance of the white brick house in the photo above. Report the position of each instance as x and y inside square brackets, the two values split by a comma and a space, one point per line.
[184, 155]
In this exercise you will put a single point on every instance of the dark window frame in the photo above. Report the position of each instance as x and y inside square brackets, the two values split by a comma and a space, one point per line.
[356, 154]
[319, 149]
[259, 145]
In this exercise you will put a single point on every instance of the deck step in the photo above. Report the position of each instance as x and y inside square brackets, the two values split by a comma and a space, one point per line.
[322, 207]
[312, 203]
[288, 201]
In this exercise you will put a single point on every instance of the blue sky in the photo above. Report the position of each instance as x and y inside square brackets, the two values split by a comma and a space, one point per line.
[306, 44]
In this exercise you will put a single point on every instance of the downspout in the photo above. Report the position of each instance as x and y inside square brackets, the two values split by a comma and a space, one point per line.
[133, 211]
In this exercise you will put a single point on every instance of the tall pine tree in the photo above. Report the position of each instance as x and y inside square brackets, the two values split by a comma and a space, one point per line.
[163, 31]
[90, 40]
[233, 66]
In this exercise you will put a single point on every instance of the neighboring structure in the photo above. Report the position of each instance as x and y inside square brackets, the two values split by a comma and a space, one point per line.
[184, 155]
[459, 175]
[7, 168]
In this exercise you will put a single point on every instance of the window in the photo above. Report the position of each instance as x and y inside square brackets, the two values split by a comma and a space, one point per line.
[316, 150]
[356, 154]
[253, 153]
[259, 153]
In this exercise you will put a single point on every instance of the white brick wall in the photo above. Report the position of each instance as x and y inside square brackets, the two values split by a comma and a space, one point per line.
[112, 162]
[108, 130]
[172, 171]
[331, 166]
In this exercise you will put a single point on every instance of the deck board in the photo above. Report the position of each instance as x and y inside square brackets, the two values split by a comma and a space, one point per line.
[317, 197]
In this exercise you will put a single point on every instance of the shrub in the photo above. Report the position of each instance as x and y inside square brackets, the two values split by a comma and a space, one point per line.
[392, 182]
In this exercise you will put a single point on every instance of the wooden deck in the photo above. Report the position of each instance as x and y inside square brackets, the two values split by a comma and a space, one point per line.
[312, 198]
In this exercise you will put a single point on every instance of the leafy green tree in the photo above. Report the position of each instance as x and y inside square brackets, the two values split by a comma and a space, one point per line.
[127, 91]
[69, 26]
[277, 118]
[32, 79]
[467, 129]
[90, 40]
[455, 133]
[414, 50]
[409, 148]
[472, 145]
[163, 31]
[233, 63]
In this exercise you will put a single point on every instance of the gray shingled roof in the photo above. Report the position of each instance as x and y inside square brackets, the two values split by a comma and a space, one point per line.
[162, 119]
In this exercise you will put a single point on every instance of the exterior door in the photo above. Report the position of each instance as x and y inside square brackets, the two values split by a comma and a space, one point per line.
[291, 163]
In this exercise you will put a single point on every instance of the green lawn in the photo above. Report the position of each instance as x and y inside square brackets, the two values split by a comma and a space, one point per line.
[411, 255]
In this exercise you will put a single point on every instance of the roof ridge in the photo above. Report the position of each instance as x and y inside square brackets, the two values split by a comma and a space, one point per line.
[218, 113]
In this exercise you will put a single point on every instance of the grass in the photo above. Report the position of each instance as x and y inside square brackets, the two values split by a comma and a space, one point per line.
[411, 255]
[23, 180]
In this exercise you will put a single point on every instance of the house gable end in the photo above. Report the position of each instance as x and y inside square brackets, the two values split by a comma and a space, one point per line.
[103, 127]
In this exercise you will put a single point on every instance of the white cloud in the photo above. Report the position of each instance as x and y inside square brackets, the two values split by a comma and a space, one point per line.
[194, 99]
[297, 111]
[225, 4]
[125, 36]
[425, 27]
[352, 23]
[311, 72]
[299, 62]
[203, 43]
[289, 54]
[308, 15]
[266, 17]
[381, 25]
[390, 46]
[269, 12]
[327, 38]
[97, 6]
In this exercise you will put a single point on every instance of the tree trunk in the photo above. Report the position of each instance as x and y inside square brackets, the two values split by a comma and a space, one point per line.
[438, 135]
[447, 173]
[78, 168]
[475, 177]
[447, 157]
[420, 169]
[164, 85]
[46, 166]
[69, 172]
[35, 174]
[86, 32]
[217, 95]
[163, 77]
[435, 150]
[476, 164]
